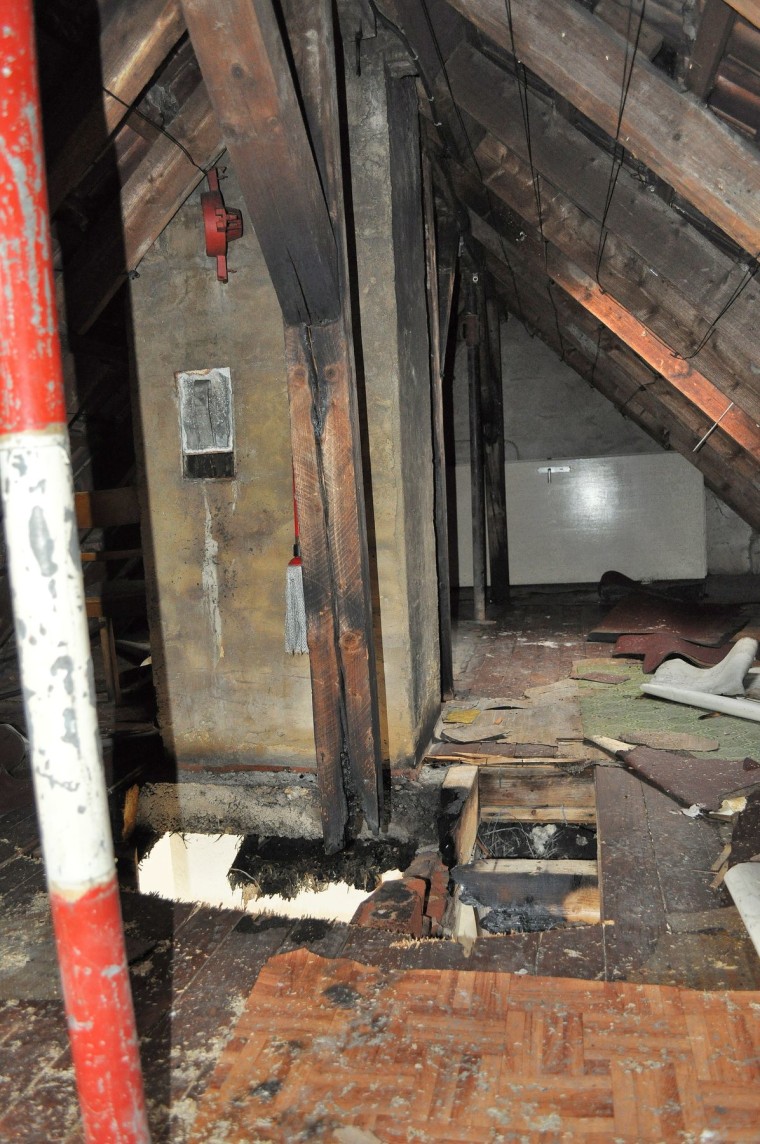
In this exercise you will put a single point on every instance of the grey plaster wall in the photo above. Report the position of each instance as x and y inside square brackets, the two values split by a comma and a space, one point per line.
[229, 695]
[551, 412]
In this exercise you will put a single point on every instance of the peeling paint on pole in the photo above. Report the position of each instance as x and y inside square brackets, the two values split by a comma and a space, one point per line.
[51, 623]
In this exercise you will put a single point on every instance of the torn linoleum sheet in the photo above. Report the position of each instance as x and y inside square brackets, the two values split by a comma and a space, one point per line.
[694, 781]
[657, 647]
[709, 624]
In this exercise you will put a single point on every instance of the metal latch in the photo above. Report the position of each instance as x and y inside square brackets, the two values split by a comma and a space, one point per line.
[549, 469]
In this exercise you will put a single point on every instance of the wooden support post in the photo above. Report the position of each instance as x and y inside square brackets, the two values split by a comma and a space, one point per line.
[493, 449]
[326, 437]
[713, 34]
[439, 445]
[472, 333]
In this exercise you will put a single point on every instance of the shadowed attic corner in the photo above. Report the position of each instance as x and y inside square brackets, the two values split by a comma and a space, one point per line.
[490, 324]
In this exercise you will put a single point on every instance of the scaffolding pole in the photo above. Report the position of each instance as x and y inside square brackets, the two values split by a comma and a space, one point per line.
[51, 625]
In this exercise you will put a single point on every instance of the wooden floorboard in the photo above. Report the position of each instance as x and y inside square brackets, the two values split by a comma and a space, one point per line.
[325, 1046]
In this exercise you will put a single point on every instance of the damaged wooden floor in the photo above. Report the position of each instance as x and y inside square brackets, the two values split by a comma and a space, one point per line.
[193, 971]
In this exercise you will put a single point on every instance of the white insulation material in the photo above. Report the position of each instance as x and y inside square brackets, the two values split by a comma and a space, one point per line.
[54, 652]
[743, 883]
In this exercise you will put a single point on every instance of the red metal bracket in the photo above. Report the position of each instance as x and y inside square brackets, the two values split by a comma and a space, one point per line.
[220, 225]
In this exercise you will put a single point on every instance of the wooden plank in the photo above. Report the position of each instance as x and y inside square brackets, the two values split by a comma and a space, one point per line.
[326, 356]
[560, 813]
[713, 33]
[134, 40]
[459, 814]
[519, 790]
[685, 849]
[149, 200]
[582, 868]
[439, 437]
[107, 508]
[583, 61]
[245, 68]
[633, 912]
[693, 278]
[625, 22]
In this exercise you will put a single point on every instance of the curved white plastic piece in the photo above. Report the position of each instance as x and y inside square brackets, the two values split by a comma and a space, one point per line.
[743, 883]
[742, 708]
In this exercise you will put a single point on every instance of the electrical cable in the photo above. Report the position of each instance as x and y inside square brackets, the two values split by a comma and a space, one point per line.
[132, 108]
[618, 151]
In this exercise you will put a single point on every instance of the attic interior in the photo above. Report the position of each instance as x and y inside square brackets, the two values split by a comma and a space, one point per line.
[412, 400]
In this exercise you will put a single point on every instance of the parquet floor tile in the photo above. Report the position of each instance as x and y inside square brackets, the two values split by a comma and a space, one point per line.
[338, 1051]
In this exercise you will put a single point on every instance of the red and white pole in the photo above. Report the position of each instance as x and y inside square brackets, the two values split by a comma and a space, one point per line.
[51, 626]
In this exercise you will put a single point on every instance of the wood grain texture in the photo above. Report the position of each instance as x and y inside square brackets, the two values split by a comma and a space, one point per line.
[246, 71]
[458, 1056]
[134, 40]
[582, 60]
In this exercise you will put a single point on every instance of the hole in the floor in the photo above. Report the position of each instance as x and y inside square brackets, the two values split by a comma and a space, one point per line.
[287, 877]
[536, 840]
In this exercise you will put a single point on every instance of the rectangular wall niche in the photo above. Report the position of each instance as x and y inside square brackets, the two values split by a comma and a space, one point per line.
[206, 423]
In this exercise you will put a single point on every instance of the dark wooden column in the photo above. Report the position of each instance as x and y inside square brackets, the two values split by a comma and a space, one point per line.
[492, 400]
[472, 334]
[439, 446]
[296, 204]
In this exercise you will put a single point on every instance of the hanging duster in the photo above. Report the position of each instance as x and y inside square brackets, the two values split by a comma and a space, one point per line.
[295, 605]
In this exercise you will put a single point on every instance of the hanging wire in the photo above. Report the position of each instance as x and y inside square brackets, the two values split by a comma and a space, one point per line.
[136, 110]
[750, 273]
[521, 78]
[618, 151]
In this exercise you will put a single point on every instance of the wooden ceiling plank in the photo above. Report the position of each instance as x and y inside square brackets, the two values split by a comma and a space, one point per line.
[135, 39]
[713, 34]
[246, 71]
[581, 169]
[676, 136]
[646, 294]
[149, 200]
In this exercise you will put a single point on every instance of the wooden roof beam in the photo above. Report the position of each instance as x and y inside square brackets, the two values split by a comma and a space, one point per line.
[677, 137]
[135, 39]
[246, 71]
[749, 9]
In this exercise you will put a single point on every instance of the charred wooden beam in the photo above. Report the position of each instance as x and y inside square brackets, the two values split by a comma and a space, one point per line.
[713, 34]
[247, 74]
[438, 437]
[653, 262]
[326, 433]
[583, 59]
[134, 40]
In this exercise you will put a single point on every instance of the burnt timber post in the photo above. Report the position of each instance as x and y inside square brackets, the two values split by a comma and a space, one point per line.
[297, 211]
